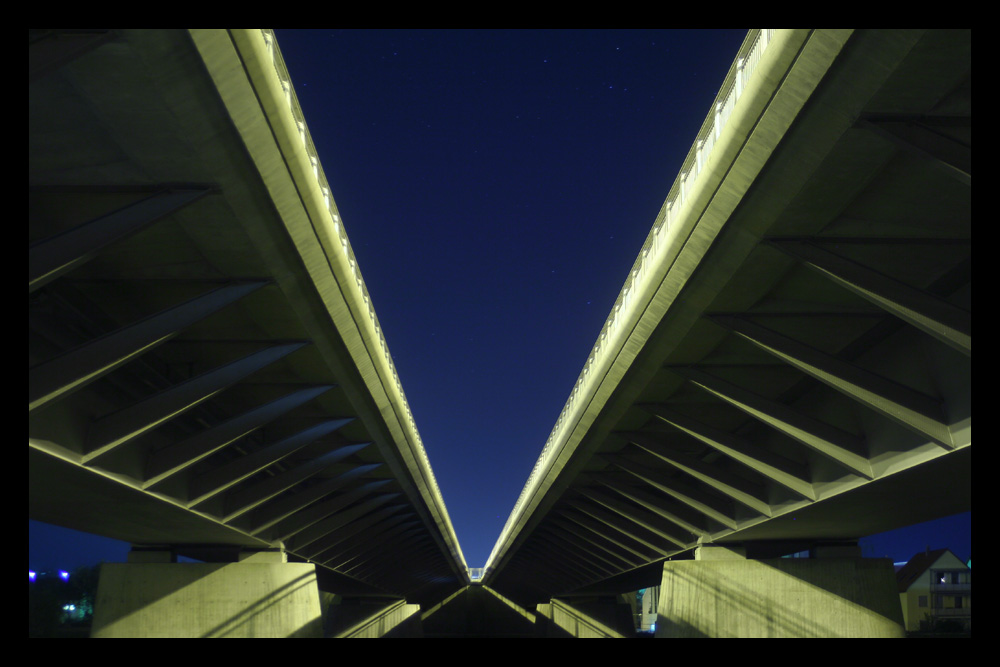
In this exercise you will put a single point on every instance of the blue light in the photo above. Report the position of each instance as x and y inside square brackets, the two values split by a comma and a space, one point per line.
[64, 575]
[31, 575]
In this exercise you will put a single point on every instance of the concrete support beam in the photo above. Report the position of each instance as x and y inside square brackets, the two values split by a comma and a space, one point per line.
[726, 595]
[646, 520]
[300, 521]
[775, 467]
[914, 410]
[181, 455]
[247, 599]
[921, 135]
[279, 510]
[51, 258]
[679, 515]
[223, 477]
[243, 500]
[936, 317]
[830, 441]
[116, 429]
[79, 367]
[49, 50]
[738, 488]
[303, 541]
[686, 494]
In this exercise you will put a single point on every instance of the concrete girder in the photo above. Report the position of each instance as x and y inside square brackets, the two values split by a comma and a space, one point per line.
[921, 135]
[319, 511]
[568, 556]
[911, 408]
[633, 530]
[680, 516]
[388, 563]
[771, 465]
[634, 515]
[57, 256]
[738, 488]
[613, 536]
[353, 556]
[77, 368]
[942, 320]
[343, 545]
[830, 441]
[581, 552]
[118, 428]
[246, 499]
[599, 551]
[612, 542]
[266, 517]
[337, 548]
[303, 540]
[225, 476]
[180, 455]
[694, 498]
[50, 50]
[561, 566]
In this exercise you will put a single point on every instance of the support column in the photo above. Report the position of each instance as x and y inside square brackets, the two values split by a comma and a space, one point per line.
[723, 594]
[260, 596]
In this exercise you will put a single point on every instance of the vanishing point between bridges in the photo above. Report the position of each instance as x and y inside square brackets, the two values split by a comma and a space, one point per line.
[786, 369]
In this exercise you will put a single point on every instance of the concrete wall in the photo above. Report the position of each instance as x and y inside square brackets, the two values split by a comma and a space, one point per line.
[587, 618]
[784, 597]
[207, 600]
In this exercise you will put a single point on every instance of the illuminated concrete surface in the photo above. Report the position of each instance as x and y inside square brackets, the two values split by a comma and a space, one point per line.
[783, 597]
[185, 600]
[789, 362]
[395, 619]
[206, 371]
[594, 618]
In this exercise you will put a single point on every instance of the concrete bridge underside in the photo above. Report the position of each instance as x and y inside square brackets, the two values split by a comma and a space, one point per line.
[795, 367]
[788, 366]
[206, 374]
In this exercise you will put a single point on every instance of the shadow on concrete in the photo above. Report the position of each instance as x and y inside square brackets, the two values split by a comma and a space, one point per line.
[478, 611]
[779, 598]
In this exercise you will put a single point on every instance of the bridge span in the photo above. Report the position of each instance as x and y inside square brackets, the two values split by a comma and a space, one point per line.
[787, 367]
[207, 376]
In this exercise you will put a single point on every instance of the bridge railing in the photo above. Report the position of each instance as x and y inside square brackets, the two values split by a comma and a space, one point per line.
[338, 229]
[656, 245]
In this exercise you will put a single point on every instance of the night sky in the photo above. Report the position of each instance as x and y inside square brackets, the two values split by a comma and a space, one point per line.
[496, 187]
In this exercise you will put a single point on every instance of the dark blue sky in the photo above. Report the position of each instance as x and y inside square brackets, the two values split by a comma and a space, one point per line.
[496, 187]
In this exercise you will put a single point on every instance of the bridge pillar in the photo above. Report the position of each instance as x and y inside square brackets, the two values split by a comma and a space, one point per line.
[833, 594]
[261, 595]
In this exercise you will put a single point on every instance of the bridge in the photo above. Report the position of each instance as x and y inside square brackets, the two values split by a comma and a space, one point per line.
[787, 368]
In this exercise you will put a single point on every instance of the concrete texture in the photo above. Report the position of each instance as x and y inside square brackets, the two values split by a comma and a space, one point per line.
[207, 600]
[361, 619]
[588, 618]
[779, 598]
[478, 611]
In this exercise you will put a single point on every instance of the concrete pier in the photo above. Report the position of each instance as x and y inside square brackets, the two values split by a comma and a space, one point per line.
[723, 594]
[246, 599]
